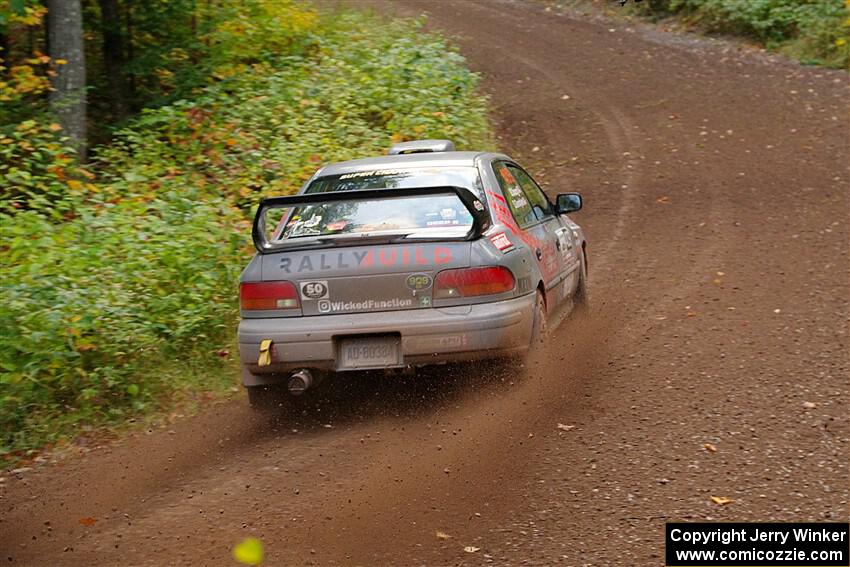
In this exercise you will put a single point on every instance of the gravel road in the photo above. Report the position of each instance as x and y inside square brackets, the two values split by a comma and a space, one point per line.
[714, 362]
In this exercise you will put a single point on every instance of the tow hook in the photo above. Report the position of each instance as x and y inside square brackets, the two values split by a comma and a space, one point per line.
[299, 382]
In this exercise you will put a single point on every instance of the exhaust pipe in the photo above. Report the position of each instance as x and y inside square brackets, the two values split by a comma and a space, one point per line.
[299, 382]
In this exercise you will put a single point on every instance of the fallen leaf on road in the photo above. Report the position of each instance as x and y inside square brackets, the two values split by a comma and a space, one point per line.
[563, 427]
[471, 549]
[663, 200]
[87, 522]
[442, 535]
[249, 551]
[721, 500]
[710, 448]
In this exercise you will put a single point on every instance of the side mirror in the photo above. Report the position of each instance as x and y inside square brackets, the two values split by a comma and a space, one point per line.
[567, 203]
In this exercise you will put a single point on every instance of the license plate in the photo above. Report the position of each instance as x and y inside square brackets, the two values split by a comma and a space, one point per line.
[369, 352]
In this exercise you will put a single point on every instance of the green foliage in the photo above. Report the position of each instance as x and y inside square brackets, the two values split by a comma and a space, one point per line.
[112, 272]
[815, 31]
[38, 170]
[179, 44]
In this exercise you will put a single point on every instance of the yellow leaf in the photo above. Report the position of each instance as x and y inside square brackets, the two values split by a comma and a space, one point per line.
[721, 500]
[249, 551]
[74, 184]
[840, 41]
[61, 62]
[710, 448]
[54, 127]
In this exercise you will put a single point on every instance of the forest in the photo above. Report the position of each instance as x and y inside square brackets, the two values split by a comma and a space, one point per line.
[135, 140]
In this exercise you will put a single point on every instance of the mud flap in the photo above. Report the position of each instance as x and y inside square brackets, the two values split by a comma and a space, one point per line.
[265, 358]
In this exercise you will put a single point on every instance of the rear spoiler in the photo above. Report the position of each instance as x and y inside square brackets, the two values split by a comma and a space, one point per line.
[476, 208]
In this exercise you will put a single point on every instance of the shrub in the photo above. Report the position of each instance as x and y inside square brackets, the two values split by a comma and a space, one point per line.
[815, 31]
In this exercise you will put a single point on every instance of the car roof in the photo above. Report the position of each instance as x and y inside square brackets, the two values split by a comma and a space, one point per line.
[424, 159]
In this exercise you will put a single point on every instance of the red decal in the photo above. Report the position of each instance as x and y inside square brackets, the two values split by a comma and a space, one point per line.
[442, 255]
[501, 241]
[507, 175]
[419, 258]
[496, 196]
[369, 260]
[405, 256]
[391, 260]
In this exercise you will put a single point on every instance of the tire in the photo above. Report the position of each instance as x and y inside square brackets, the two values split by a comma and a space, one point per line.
[266, 398]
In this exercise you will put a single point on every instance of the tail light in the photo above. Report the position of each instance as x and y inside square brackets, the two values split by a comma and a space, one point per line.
[472, 282]
[267, 295]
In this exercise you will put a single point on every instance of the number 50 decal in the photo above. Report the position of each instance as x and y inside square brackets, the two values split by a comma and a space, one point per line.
[314, 290]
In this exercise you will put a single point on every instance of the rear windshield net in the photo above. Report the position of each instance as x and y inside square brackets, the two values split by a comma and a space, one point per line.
[410, 217]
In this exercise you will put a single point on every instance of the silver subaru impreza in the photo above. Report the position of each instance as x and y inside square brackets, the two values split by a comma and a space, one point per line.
[424, 256]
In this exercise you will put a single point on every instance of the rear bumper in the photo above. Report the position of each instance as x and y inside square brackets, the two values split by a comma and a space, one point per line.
[428, 336]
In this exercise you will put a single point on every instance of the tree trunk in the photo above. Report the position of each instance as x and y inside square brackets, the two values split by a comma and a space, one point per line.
[68, 97]
[4, 53]
[131, 83]
[113, 58]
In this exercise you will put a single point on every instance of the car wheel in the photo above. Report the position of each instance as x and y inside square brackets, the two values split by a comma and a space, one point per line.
[539, 329]
[266, 398]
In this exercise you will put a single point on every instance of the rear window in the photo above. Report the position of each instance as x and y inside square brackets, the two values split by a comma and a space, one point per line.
[410, 217]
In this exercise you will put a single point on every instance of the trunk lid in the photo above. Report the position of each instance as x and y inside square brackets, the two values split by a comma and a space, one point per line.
[361, 279]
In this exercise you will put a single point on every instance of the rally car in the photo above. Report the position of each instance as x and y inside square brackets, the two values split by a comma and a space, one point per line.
[425, 256]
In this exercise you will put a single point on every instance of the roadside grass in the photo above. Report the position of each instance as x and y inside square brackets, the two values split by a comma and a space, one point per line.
[120, 278]
[814, 32]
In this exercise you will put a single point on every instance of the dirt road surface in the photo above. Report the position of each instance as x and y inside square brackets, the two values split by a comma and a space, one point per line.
[715, 362]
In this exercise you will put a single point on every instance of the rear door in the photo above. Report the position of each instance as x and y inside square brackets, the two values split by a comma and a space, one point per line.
[534, 215]
[566, 256]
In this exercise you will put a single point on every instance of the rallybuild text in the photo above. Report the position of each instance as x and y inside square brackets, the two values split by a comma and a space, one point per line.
[762, 544]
